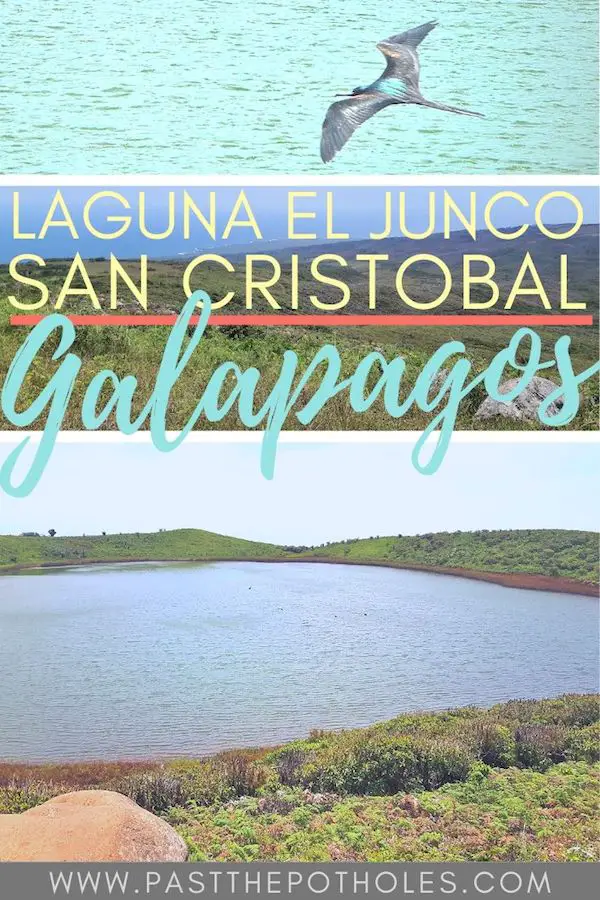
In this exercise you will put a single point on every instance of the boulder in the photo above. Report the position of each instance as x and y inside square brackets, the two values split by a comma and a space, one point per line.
[524, 407]
[89, 826]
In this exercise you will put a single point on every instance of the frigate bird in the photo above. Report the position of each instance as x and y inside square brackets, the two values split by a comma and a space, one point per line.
[398, 85]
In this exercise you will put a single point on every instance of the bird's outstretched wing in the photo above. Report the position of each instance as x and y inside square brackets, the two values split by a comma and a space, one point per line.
[413, 37]
[400, 51]
[344, 117]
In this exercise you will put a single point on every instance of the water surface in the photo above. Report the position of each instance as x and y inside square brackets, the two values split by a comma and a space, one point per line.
[201, 86]
[161, 660]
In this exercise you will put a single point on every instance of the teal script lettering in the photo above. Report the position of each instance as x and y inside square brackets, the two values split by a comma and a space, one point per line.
[441, 386]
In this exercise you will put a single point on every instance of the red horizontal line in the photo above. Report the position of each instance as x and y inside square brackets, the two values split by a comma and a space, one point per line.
[422, 320]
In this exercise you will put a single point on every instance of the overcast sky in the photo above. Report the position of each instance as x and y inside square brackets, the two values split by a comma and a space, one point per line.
[320, 492]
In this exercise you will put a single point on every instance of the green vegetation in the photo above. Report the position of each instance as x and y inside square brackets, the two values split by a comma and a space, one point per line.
[494, 815]
[183, 544]
[554, 552]
[518, 781]
[139, 351]
[558, 553]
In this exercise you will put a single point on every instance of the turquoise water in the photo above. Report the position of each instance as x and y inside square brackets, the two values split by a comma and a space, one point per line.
[202, 86]
[151, 660]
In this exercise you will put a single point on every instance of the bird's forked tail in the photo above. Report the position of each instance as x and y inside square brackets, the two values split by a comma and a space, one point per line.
[452, 109]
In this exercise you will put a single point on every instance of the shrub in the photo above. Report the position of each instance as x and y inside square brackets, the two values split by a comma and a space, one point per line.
[574, 711]
[479, 773]
[494, 744]
[17, 796]
[379, 763]
[241, 772]
[539, 746]
[441, 763]
[224, 777]
[584, 743]
[579, 711]
[287, 763]
[155, 791]
[571, 710]
[374, 763]
[203, 782]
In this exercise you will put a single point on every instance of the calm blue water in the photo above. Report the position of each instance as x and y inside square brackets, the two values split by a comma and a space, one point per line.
[150, 660]
[201, 86]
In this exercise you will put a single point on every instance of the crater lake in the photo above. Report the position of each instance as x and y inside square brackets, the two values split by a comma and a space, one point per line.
[164, 660]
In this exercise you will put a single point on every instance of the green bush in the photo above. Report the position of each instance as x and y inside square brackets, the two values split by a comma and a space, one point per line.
[494, 744]
[155, 791]
[570, 710]
[578, 711]
[584, 743]
[441, 763]
[422, 752]
[379, 763]
[203, 783]
[19, 796]
[374, 763]
[287, 764]
[241, 772]
[540, 746]
[224, 777]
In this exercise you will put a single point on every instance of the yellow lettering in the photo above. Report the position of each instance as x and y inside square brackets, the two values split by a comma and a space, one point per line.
[24, 279]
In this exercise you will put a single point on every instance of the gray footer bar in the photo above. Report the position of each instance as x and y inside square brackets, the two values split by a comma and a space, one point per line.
[437, 881]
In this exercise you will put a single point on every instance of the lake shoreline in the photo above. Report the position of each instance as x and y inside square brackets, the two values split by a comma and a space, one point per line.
[220, 802]
[523, 580]
[13, 767]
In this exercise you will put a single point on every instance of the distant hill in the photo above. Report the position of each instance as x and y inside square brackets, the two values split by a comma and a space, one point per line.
[554, 552]
[551, 554]
[182, 544]
[422, 281]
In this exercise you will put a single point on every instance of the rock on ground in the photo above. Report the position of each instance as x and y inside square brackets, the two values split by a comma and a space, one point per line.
[89, 826]
[524, 408]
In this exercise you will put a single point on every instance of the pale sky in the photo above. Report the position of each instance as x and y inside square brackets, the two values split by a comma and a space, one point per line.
[320, 492]
[358, 210]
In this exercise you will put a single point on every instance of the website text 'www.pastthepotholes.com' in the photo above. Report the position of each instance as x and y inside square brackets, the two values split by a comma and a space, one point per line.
[125, 882]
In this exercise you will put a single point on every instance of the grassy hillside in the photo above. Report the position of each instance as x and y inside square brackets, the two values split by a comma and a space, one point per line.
[554, 552]
[557, 553]
[185, 543]
[518, 781]
[139, 350]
